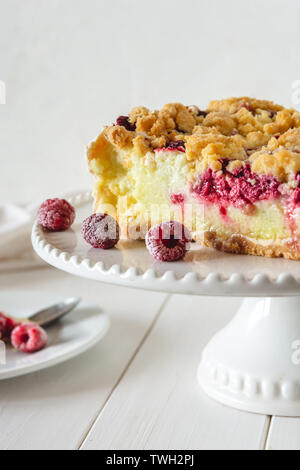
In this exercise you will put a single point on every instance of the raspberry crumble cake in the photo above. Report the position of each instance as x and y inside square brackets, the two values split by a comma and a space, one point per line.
[230, 173]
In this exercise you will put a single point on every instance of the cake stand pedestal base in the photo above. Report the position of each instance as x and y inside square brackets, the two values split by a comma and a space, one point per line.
[253, 364]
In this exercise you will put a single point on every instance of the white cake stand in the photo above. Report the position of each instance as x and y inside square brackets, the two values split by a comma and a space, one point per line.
[254, 363]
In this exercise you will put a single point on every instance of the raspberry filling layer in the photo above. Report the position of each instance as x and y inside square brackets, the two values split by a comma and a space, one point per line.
[238, 188]
[294, 199]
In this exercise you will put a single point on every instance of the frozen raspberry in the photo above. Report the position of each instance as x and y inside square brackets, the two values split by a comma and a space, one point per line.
[28, 337]
[124, 121]
[101, 231]
[6, 326]
[56, 215]
[168, 241]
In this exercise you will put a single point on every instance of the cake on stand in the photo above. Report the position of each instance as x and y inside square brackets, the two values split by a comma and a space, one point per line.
[253, 364]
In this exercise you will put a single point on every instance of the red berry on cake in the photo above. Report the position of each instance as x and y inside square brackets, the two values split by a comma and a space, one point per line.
[176, 145]
[28, 337]
[168, 241]
[101, 231]
[56, 215]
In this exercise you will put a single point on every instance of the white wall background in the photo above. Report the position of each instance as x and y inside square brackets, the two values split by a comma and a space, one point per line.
[71, 66]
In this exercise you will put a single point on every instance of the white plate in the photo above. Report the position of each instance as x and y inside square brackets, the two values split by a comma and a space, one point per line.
[74, 334]
[203, 271]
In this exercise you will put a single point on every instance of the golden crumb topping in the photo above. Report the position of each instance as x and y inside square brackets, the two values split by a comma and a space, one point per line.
[238, 129]
[233, 105]
[214, 147]
[290, 139]
[282, 163]
[119, 136]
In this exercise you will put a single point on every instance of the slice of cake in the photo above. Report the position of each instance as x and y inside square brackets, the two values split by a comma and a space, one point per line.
[231, 174]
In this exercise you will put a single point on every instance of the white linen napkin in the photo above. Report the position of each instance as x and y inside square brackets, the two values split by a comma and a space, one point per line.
[15, 244]
[16, 251]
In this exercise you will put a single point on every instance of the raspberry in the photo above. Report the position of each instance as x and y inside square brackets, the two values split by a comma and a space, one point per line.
[246, 106]
[28, 337]
[56, 215]
[295, 196]
[176, 145]
[177, 198]
[101, 231]
[6, 326]
[124, 121]
[168, 241]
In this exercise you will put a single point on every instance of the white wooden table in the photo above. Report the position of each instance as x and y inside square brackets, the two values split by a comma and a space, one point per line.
[136, 389]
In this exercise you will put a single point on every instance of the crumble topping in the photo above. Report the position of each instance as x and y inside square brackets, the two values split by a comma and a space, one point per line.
[241, 130]
[281, 157]
[283, 163]
[119, 136]
[233, 105]
[291, 139]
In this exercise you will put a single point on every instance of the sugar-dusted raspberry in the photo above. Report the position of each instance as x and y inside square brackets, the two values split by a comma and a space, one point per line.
[56, 215]
[101, 231]
[124, 121]
[28, 337]
[7, 324]
[168, 241]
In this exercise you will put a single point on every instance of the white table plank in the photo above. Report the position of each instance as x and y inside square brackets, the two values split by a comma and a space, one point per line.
[55, 408]
[284, 434]
[159, 405]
